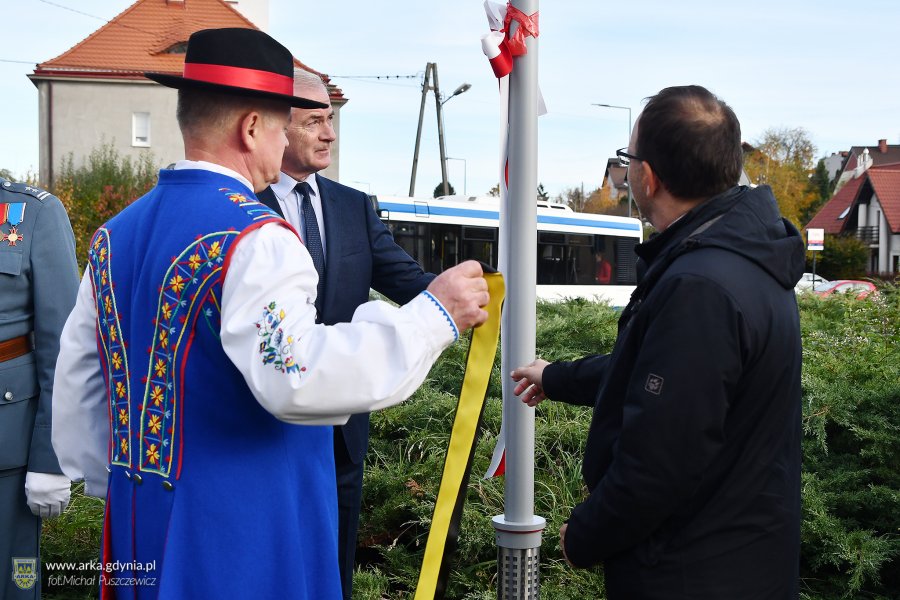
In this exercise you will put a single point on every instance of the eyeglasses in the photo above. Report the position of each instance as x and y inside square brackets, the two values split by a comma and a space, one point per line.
[625, 158]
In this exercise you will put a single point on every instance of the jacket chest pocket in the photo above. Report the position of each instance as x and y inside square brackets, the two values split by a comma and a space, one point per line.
[14, 299]
[11, 263]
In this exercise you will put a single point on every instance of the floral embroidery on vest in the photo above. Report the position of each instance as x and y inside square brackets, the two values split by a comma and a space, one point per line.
[275, 348]
[185, 296]
[253, 207]
[113, 348]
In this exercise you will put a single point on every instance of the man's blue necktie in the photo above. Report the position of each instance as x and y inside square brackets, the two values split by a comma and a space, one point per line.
[312, 239]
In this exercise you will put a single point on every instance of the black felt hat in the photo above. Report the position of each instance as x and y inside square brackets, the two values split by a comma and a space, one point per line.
[243, 62]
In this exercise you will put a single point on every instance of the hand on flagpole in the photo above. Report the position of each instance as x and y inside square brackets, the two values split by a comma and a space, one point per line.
[530, 387]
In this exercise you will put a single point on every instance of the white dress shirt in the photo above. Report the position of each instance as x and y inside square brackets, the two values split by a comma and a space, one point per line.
[377, 360]
[290, 200]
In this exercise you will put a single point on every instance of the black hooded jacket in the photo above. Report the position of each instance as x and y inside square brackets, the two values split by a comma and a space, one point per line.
[693, 455]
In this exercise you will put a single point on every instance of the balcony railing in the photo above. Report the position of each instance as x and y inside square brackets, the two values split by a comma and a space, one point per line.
[867, 235]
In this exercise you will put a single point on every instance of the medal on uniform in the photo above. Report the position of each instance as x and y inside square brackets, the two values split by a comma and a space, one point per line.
[12, 213]
[11, 238]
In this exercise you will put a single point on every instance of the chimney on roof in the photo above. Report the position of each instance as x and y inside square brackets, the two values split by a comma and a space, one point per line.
[882, 146]
[864, 162]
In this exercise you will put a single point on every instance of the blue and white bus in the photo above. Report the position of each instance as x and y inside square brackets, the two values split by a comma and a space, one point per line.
[578, 254]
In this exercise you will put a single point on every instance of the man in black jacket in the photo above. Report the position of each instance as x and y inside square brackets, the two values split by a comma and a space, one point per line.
[693, 455]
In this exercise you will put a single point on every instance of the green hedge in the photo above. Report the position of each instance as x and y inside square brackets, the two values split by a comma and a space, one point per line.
[851, 484]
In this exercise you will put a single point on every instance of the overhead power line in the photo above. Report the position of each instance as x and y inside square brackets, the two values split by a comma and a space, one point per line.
[107, 21]
[73, 10]
[376, 76]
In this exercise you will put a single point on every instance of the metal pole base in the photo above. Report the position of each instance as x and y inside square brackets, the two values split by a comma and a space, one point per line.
[518, 558]
[517, 570]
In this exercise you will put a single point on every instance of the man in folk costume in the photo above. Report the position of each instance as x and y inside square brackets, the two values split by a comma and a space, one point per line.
[203, 394]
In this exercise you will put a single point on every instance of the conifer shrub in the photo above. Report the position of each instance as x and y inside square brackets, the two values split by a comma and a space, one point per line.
[851, 465]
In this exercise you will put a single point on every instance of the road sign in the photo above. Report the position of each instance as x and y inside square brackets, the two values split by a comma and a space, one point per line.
[815, 239]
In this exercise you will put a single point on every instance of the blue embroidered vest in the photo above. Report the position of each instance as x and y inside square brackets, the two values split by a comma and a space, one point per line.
[209, 494]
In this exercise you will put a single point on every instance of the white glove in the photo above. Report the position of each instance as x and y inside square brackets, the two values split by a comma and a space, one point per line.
[47, 494]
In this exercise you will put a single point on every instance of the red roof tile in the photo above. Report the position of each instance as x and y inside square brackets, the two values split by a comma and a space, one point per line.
[828, 216]
[137, 40]
[886, 182]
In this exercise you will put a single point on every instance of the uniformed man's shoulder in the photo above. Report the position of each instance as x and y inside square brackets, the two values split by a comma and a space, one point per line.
[20, 192]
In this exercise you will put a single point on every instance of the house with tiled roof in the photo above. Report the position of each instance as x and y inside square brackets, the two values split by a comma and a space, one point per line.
[867, 206]
[860, 158]
[614, 179]
[96, 92]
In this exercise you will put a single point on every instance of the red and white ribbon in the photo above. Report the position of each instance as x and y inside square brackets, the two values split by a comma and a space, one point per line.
[497, 50]
[500, 50]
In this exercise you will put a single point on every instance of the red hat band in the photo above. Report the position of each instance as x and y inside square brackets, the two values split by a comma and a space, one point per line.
[253, 79]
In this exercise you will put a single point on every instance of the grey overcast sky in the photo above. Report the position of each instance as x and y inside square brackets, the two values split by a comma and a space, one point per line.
[826, 66]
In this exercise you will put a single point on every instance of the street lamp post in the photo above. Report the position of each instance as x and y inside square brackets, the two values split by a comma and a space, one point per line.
[431, 71]
[628, 108]
[465, 192]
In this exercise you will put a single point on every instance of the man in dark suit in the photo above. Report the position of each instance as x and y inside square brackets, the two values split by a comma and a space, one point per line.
[353, 251]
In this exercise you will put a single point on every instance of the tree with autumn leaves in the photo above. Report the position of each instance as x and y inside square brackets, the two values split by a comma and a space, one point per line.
[783, 159]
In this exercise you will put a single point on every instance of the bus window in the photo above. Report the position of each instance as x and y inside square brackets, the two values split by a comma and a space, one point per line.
[410, 237]
[551, 250]
[626, 261]
[580, 269]
[480, 243]
[444, 246]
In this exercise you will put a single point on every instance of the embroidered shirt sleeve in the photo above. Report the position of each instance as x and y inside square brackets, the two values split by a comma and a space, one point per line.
[307, 373]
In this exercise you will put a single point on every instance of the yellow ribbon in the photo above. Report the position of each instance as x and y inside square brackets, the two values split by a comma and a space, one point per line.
[482, 349]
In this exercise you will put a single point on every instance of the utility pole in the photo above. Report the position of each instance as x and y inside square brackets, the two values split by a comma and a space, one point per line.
[431, 72]
[425, 88]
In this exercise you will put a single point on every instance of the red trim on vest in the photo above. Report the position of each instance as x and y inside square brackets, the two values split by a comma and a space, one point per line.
[182, 395]
[253, 227]
[252, 79]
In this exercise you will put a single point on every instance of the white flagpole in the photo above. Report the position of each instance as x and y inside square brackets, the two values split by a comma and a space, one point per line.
[519, 529]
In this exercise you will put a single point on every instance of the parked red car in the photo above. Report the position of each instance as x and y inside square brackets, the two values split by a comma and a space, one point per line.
[860, 289]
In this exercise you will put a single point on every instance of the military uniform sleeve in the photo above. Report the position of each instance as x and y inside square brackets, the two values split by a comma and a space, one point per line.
[55, 284]
[673, 424]
[80, 412]
[302, 372]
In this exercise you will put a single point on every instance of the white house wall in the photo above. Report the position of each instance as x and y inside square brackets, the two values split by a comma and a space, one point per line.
[83, 115]
[888, 243]
[891, 267]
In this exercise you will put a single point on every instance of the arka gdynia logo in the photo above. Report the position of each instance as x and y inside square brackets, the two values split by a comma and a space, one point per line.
[24, 572]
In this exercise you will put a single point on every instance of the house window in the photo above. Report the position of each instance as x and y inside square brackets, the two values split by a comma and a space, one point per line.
[140, 129]
[176, 48]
